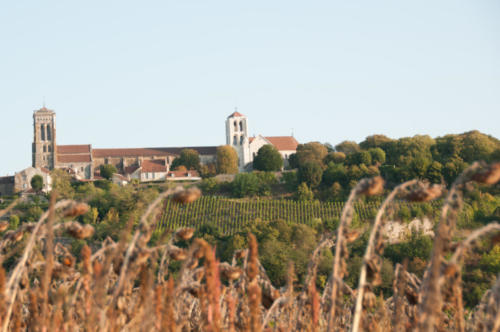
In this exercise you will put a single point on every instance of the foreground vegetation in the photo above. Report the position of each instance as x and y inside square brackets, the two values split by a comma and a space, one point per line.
[175, 282]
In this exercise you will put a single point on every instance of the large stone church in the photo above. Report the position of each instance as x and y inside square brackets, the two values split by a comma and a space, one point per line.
[146, 164]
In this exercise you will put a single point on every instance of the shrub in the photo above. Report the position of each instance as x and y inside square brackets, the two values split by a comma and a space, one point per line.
[304, 193]
[310, 173]
[245, 184]
[268, 158]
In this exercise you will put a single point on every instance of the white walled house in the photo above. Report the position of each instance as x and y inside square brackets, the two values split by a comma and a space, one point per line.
[153, 170]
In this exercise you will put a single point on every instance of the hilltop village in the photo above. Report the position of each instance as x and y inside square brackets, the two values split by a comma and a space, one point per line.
[144, 164]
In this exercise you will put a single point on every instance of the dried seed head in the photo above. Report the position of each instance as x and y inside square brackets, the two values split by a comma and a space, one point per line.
[192, 264]
[351, 236]
[373, 270]
[18, 236]
[194, 290]
[372, 186]
[3, 226]
[240, 253]
[230, 272]
[75, 210]
[450, 270]
[423, 192]
[369, 300]
[185, 233]
[78, 231]
[187, 196]
[177, 254]
[490, 174]
[68, 261]
[97, 268]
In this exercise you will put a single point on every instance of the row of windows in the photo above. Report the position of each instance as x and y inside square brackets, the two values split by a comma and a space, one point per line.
[235, 140]
[46, 132]
[238, 124]
[47, 148]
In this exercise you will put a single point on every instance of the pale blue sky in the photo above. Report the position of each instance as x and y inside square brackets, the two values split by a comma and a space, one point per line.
[167, 73]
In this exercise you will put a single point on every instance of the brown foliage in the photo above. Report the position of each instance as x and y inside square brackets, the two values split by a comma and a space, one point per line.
[121, 286]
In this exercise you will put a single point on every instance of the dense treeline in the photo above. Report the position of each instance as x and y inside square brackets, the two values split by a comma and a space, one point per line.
[335, 169]
[326, 172]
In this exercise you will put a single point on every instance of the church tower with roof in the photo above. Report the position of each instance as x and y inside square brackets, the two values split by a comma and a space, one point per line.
[237, 137]
[44, 138]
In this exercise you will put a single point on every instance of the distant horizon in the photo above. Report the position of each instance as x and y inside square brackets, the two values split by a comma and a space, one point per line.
[165, 73]
[94, 146]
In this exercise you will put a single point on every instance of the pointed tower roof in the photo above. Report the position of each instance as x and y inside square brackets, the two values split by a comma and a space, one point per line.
[235, 114]
[44, 110]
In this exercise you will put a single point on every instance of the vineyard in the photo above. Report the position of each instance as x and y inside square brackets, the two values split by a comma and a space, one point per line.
[231, 215]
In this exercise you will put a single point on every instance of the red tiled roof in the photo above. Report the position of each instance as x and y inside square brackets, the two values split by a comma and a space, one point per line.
[283, 143]
[73, 149]
[153, 166]
[235, 114]
[250, 140]
[130, 169]
[120, 176]
[133, 152]
[45, 170]
[74, 158]
[149, 152]
[181, 174]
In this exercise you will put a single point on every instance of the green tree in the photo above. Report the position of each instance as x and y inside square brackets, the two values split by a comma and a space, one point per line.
[334, 157]
[453, 168]
[290, 180]
[361, 157]
[378, 155]
[189, 158]
[310, 173]
[227, 160]
[313, 151]
[61, 182]
[293, 161]
[478, 146]
[245, 184]
[375, 141]
[435, 172]
[335, 173]
[268, 158]
[14, 221]
[37, 183]
[347, 147]
[304, 193]
[107, 171]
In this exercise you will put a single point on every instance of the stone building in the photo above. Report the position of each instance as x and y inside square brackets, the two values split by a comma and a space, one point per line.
[44, 138]
[7, 185]
[21, 181]
[83, 160]
[247, 147]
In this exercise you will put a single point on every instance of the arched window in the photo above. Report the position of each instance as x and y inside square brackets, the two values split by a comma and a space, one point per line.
[235, 125]
[50, 148]
[241, 125]
[45, 148]
[241, 140]
[235, 140]
[49, 133]
[42, 128]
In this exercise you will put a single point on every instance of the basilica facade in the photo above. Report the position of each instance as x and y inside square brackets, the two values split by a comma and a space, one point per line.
[83, 161]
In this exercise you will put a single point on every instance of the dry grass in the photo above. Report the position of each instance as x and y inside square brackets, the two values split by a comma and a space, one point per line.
[127, 285]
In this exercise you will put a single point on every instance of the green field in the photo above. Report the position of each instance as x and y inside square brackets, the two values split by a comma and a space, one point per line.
[231, 215]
